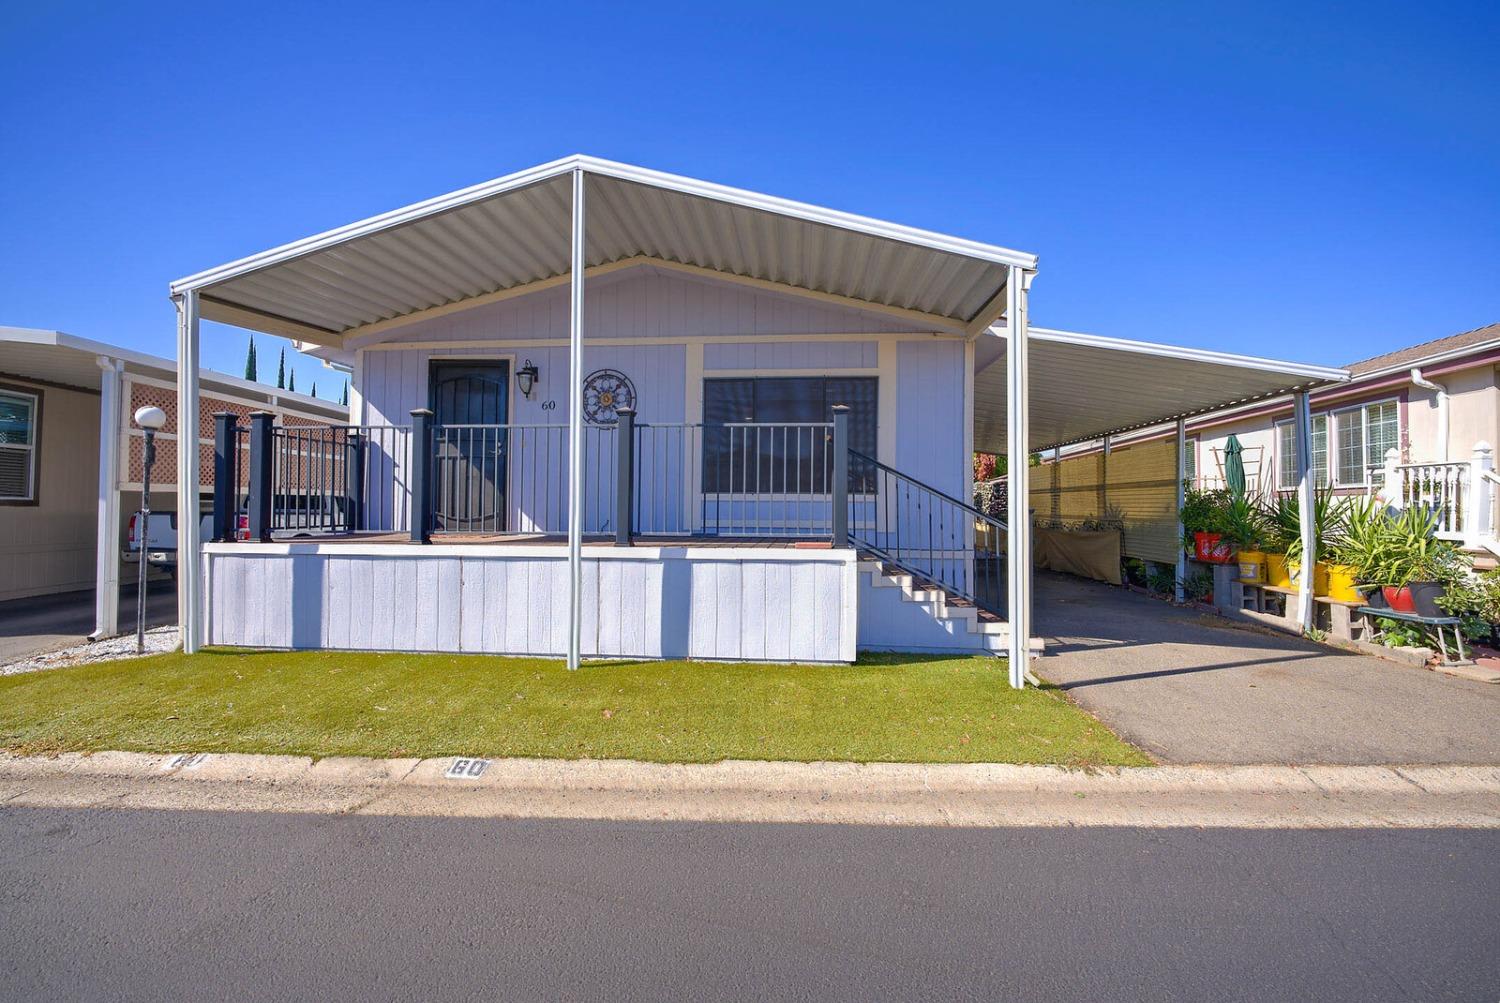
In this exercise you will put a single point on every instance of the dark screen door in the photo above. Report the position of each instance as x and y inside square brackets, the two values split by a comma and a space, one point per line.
[470, 401]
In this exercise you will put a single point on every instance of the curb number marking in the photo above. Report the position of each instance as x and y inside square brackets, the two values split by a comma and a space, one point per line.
[466, 768]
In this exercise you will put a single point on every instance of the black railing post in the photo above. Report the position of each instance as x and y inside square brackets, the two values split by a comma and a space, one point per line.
[226, 475]
[261, 465]
[624, 476]
[840, 475]
[421, 476]
[354, 482]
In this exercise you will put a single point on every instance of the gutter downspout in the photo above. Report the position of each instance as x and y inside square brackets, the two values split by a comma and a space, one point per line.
[1442, 403]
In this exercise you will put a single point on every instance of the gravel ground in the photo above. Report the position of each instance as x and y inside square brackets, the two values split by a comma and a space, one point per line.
[158, 640]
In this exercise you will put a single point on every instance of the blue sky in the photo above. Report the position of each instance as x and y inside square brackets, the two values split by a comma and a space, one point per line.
[1310, 181]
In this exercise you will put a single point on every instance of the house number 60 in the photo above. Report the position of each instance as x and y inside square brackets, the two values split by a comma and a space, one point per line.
[549, 405]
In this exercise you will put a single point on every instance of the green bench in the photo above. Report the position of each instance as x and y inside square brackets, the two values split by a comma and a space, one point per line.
[1440, 624]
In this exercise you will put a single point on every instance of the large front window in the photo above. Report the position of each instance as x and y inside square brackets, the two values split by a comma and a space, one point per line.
[763, 435]
[18, 419]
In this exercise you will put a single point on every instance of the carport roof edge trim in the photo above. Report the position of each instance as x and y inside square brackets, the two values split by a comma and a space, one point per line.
[1308, 370]
[1306, 375]
[624, 172]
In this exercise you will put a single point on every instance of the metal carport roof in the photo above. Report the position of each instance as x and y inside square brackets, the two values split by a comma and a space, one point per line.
[1085, 386]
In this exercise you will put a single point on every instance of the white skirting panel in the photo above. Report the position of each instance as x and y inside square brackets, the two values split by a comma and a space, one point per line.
[642, 602]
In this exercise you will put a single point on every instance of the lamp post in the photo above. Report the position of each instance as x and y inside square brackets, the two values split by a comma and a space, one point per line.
[151, 420]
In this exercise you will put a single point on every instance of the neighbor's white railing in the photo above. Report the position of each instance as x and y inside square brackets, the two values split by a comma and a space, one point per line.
[1461, 494]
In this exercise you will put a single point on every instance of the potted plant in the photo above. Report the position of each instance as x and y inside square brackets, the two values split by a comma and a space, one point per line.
[1361, 520]
[1244, 528]
[1202, 517]
[1408, 562]
[1327, 514]
[1279, 512]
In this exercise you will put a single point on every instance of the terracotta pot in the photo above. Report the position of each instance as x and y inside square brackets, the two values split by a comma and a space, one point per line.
[1400, 599]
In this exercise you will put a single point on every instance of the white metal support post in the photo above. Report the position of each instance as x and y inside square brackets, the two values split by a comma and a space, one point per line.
[1178, 591]
[1303, 430]
[575, 434]
[1018, 476]
[189, 578]
[107, 543]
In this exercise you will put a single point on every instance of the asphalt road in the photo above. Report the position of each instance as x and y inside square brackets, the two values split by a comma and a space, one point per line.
[42, 623]
[116, 904]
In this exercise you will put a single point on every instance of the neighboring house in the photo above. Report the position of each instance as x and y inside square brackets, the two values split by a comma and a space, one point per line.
[1432, 403]
[65, 412]
[776, 412]
[1436, 404]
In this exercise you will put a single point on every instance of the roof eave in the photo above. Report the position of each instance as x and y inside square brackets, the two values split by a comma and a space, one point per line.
[1306, 371]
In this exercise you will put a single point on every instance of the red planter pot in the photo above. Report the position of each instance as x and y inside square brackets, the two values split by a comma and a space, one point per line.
[1399, 599]
[1210, 548]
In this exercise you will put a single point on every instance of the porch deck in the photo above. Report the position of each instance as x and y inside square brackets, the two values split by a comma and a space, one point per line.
[554, 540]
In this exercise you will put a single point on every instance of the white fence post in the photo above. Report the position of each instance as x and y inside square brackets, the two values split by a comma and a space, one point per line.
[1477, 520]
[1392, 491]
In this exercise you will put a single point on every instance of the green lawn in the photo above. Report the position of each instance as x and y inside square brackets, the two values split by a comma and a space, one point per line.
[890, 708]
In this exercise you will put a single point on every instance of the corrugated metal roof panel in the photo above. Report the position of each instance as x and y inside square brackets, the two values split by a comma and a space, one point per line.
[1086, 386]
[515, 230]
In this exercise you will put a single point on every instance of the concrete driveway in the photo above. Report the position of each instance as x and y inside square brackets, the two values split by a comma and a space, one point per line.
[1191, 688]
[31, 626]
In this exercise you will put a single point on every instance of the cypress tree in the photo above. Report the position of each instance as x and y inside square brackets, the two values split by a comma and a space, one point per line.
[250, 367]
[291, 381]
[281, 371]
[345, 399]
[314, 390]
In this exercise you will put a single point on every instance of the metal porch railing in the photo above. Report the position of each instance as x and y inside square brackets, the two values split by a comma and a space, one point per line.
[930, 534]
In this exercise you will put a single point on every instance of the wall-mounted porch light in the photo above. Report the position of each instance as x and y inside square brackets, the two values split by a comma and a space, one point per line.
[526, 378]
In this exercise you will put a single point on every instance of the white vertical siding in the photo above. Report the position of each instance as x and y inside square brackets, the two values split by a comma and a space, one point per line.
[646, 302]
[692, 603]
[930, 415]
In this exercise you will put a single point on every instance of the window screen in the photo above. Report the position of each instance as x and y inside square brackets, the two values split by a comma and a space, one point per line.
[763, 435]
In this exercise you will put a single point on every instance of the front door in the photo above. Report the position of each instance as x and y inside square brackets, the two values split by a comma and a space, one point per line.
[470, 402]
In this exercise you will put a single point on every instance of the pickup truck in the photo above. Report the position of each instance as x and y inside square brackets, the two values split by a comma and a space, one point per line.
[161, 538]
[297, 516]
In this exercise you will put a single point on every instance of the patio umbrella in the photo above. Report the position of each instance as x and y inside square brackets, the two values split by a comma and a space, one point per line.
[1234, 465]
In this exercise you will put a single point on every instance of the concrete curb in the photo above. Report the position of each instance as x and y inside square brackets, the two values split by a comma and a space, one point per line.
[742, 791]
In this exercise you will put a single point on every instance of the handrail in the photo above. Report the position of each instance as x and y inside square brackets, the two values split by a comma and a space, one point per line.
[930, 534]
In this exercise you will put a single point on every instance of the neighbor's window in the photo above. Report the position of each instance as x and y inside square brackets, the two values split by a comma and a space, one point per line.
[1286, 453]
[1190, 461]
[1382, 432]
[17, 446]
[752, 442]
[1363, 435]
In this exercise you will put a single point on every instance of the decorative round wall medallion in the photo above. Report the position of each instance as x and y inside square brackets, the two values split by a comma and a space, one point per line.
[605, 391]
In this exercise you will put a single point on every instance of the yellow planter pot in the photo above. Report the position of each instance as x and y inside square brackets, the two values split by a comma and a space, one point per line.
[1320, 577]
[1276, 571]
[1252, 567]
[1340, 583]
